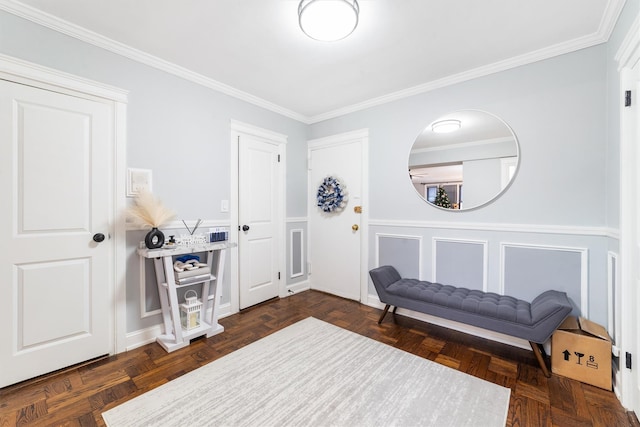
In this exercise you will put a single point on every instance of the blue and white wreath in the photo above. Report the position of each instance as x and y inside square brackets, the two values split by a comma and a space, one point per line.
[331, 195]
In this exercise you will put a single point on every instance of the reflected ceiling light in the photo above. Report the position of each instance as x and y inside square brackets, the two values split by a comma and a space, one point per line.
[445, 126]
[328, 20]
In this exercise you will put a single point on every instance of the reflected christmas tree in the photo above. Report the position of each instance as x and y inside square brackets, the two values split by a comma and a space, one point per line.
[442, 199]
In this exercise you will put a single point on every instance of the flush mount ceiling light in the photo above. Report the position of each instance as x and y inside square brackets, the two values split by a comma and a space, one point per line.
[445, 126]
[328, 20]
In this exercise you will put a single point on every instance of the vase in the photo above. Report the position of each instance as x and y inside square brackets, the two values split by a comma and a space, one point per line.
[154, 239]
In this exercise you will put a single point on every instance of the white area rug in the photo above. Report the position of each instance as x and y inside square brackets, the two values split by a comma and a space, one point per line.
[315, 374]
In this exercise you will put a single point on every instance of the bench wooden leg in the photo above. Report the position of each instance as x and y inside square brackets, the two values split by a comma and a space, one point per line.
[384, 313]
[539, 352]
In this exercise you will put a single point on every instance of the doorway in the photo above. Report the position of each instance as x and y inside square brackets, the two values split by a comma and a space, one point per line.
[337, 244]
[65, 243]
[257, 214]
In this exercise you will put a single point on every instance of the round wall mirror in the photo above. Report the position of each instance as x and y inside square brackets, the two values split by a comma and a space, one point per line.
[463, 160]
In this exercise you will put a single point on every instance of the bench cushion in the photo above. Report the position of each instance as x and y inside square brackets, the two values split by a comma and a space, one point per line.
[471, 301]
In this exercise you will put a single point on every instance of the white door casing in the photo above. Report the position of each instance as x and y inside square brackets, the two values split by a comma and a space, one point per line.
[57, 173]
[337, 252]
[628, 58]
[257, 202]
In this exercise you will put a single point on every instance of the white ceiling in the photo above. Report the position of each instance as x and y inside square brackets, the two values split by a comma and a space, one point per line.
[254, 49]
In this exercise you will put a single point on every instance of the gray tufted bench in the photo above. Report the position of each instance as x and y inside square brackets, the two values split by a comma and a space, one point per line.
[534, 322]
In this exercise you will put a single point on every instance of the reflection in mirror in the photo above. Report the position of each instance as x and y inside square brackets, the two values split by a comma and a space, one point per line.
[463, 160]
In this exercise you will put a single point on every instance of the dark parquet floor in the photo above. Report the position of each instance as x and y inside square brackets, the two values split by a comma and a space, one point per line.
[77, 396]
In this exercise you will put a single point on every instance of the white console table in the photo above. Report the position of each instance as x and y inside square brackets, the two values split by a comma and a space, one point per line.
[174, 336]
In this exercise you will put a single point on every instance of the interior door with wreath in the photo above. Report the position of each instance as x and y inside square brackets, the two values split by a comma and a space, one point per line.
[335, 192]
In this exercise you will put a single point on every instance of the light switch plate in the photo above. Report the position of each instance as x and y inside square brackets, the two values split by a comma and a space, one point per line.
[137, 180]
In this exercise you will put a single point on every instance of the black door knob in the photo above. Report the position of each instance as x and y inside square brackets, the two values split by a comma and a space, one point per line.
[245, 228]
[98, 237]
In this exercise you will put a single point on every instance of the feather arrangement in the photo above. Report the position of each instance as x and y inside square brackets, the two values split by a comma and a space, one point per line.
[148, 211]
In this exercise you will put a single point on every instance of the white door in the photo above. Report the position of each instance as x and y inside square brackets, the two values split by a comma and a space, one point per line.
[259, 218]
[336, 238]
[55, 154]
[630, 239]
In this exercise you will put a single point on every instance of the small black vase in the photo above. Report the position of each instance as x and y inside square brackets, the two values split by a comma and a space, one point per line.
[154, 239]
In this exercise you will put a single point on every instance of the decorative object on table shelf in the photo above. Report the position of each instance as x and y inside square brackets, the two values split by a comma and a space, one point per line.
[218, 235]
[190, 240]
[147, 211]
[331, 195]
[171, 243]
[195, 227]
[191, 271]
[190, 310]
[154, 239]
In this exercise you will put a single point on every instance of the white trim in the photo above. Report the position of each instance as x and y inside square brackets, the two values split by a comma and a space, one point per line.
[628, 53]
[331, 141]
[584, 267]
[120, 233]
[238, 128]
[338, 139]
[21, 71]
[24, 72]
[485, 256]
[142, 285]
[512, 228]
[398, 236]
[296, 219]
[613, 298]
[293, 275]
[374, 301]
[294, 288]
[258, 132]
[607, 24]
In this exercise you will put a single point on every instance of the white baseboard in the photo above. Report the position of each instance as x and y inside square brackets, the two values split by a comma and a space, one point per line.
[373, 301]
[148, 335]
[294, 288]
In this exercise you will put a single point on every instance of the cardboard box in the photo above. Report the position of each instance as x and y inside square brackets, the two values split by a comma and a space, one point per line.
[581, 349]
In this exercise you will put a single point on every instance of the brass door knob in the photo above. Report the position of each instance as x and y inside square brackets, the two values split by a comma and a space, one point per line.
[355, 227]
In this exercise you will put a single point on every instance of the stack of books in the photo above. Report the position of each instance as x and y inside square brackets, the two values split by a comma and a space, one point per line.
[193, 276]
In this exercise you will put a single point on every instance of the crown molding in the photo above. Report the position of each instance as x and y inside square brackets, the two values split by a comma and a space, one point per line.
[47, 20]
[607, 24]
[528, 58]
[629, 52]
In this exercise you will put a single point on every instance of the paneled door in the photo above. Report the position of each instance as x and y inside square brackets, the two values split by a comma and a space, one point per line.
[260, 219]
[55, 299]
[337, 239]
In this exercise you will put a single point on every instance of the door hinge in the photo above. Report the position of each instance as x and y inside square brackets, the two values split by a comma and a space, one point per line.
[627, 98]
[628, 360]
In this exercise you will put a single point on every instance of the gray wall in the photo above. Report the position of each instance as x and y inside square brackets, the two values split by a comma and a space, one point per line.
[176, 128]
[563, 202]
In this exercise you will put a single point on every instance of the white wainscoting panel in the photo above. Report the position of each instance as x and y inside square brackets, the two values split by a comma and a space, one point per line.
[296, 247]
